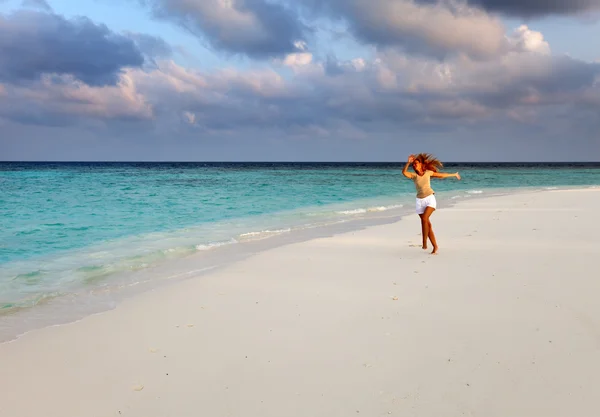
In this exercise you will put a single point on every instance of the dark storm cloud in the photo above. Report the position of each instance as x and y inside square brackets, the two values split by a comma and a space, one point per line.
[256, 28]
[535, 8]
[34, 43]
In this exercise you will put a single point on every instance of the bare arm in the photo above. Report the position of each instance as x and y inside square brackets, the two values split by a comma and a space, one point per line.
[444, 175]
[405, 169]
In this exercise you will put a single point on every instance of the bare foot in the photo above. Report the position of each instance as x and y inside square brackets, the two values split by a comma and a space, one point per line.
[424, 247]
[435, 249]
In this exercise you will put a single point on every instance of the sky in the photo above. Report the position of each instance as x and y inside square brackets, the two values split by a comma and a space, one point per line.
[299, 80]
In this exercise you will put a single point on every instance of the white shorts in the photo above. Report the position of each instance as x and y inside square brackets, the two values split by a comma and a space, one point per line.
[423, 203]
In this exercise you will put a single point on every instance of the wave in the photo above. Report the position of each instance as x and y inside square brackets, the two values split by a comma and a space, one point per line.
[214, 245]
[355, 211]
[264, 233]
[474, 192]
[370, 209]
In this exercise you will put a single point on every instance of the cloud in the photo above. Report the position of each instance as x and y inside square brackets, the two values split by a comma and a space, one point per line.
[189, 117]
[34, 43]
[298, 59]
[361, 98]
[391, 90]
[492, 90]
[525, 39]
[151, 46]
[456, 109]
[257, 28]
[537, 8]
[53, 101]
[438, 29]
[37, 4]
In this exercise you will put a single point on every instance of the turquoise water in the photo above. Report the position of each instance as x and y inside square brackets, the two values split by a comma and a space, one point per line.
[67, 226]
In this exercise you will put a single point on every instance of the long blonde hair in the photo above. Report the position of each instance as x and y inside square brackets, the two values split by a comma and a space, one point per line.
[429, 162]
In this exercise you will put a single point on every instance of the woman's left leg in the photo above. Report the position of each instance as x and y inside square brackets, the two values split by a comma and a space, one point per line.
[427, 230]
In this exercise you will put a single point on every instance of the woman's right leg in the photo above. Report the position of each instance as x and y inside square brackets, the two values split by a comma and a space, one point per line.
[424, 233]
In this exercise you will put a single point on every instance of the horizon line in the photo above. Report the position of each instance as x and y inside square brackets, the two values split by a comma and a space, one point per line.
[293, 162]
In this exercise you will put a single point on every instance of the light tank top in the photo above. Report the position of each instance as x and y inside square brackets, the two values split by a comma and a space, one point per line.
[422, 183]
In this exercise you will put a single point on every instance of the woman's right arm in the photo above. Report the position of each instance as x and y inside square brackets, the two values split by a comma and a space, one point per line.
[405, 169]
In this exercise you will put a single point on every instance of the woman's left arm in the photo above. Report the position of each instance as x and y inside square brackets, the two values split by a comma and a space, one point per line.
[444, 175]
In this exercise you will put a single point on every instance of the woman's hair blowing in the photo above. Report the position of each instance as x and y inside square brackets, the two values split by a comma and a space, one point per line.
[429, 162]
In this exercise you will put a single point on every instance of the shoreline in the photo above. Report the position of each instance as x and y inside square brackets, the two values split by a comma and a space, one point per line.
[74, 307]
[502, 322]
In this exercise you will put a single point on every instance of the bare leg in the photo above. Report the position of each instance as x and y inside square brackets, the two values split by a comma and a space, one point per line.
[428, 230]
[432, 239]
[423, 231]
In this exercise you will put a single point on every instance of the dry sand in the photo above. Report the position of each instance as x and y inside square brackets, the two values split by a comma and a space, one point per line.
[505, 321]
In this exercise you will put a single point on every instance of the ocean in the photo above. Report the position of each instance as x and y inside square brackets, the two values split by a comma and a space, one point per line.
[73, 229]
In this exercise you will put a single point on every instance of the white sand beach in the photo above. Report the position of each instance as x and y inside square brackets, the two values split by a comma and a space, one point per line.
[504, 322]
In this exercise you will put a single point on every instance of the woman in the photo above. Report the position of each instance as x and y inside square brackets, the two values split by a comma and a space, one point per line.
[426, 167]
